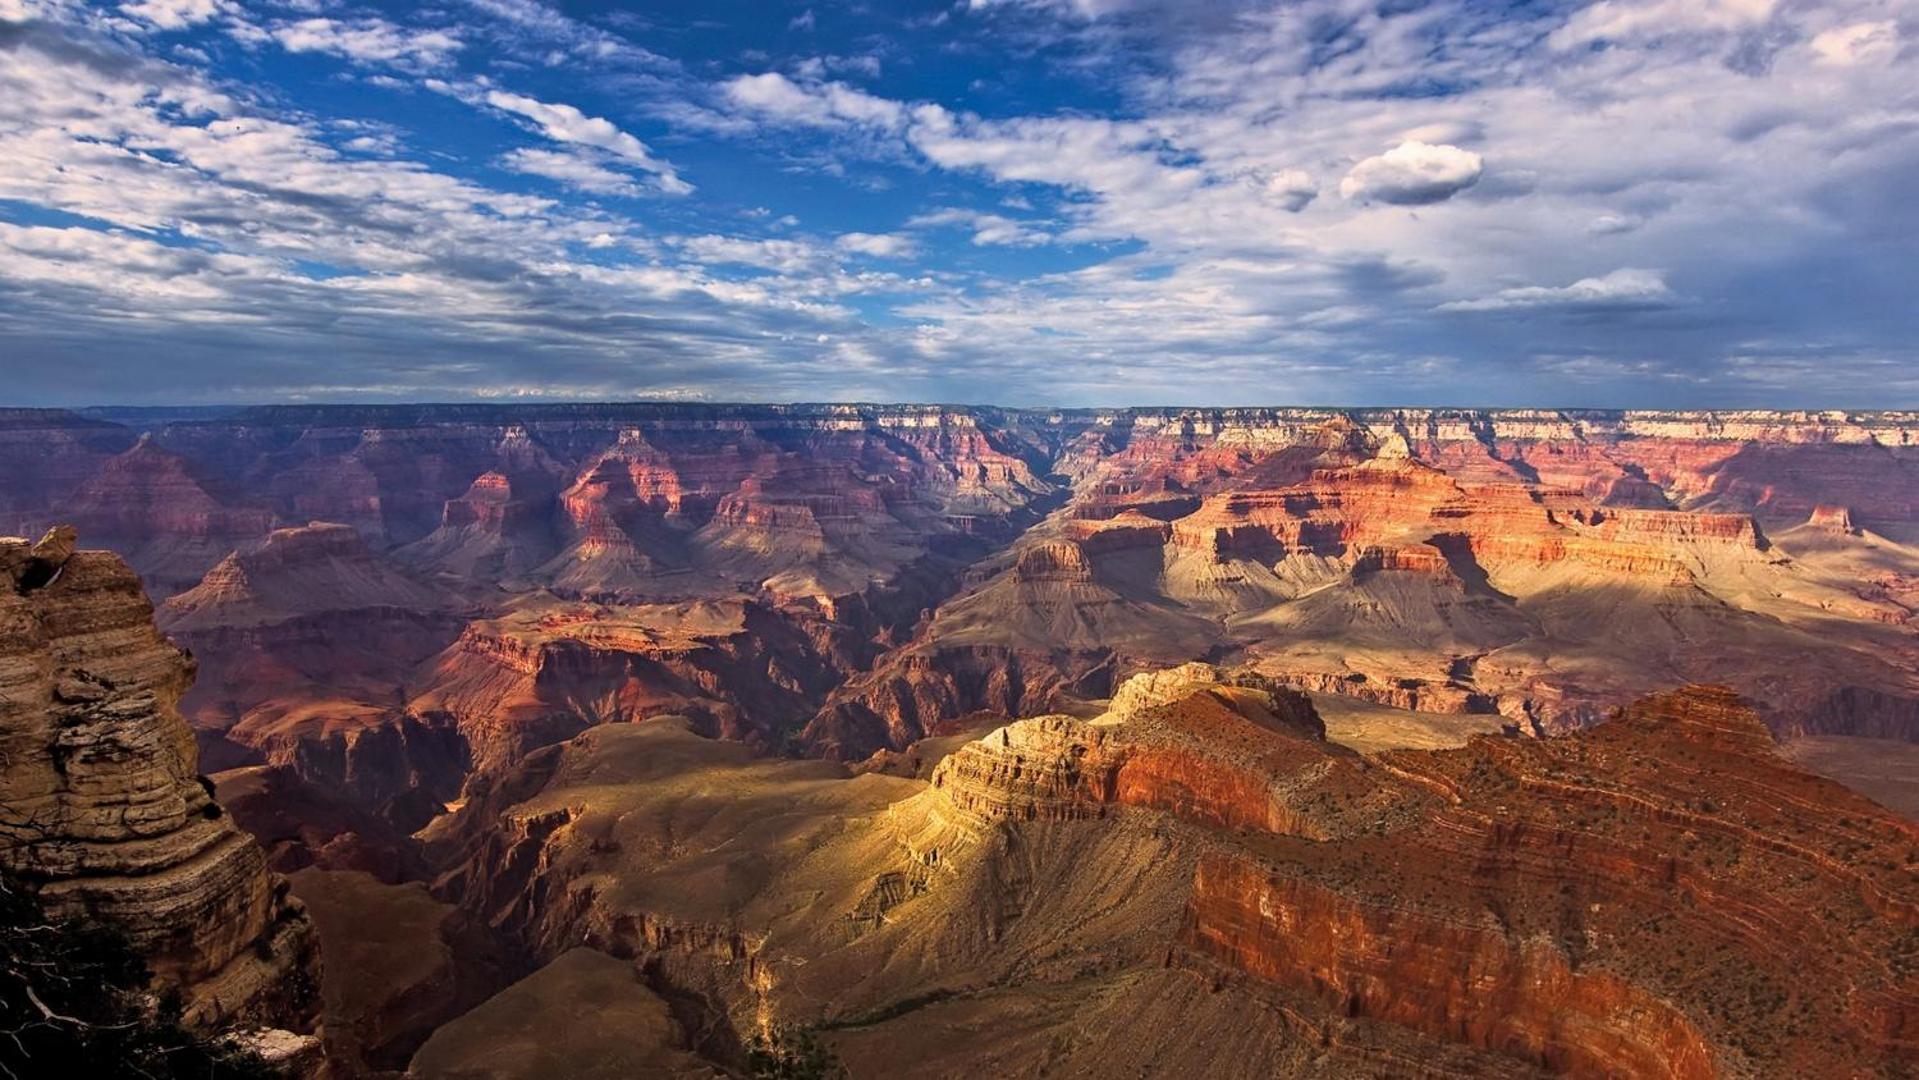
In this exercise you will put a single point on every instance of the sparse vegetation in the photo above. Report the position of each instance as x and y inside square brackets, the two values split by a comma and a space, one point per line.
[74, 1002]
[792, 1053]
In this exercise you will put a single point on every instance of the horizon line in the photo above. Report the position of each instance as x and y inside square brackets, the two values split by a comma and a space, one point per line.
[722, 403]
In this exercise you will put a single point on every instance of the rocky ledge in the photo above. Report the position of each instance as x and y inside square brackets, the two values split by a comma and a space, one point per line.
[104, 813]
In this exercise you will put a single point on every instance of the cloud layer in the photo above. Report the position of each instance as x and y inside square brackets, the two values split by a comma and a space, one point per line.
[1627, 202]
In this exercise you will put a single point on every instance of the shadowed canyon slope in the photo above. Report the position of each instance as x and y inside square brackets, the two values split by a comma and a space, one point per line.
[884, 721]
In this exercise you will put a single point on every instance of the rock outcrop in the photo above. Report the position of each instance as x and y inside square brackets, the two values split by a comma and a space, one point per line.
[1660, 895]
[1609, 902]
[1834, 519]
[306, 640]
[163, 514]
[1368, 553]
[104, 813]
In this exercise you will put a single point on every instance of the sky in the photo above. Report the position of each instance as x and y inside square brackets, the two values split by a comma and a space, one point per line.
[1622, 203]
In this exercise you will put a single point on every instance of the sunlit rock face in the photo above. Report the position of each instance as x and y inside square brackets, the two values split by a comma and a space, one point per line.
[105, 815]
[1541, 566]
[1616, 914]
[1659, 895]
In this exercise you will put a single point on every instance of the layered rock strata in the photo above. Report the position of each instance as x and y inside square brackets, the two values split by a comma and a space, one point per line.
[104, 813]
[1659, 896]
[885, 572]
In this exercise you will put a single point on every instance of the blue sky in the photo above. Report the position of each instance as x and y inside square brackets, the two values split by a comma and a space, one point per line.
[1636, 203]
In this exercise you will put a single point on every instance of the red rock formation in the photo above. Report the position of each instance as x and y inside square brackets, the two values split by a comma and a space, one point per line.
[501, 528]
[1835, 519]
[1322, 543]
[1413, 559]
[1054, 560]
[1211, 755]
[307, 640]
[1606, 903]
[518, 683]
[304, 824]
[915, 690]
[148, 504]
[1658, 896]
[316, 568]
[1468, 983]
[1529, 531]
[1610, 902]
[46, 454]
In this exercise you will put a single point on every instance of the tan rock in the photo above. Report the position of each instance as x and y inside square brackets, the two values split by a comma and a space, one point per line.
[105, 814]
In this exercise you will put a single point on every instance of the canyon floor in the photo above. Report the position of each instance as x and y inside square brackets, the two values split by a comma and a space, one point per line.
[952, 741]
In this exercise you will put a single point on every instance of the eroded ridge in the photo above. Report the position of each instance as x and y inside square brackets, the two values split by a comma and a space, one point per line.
[1660, 895]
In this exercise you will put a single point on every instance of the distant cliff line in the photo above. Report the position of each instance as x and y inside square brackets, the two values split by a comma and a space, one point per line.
[423, 413]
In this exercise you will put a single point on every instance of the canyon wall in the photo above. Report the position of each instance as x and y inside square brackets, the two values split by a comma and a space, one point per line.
[393, 606]
[1658, 896]
[104, 815]
[887, 720]
[1441, 561]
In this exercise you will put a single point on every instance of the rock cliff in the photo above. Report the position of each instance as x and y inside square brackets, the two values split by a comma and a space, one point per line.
[104, 813]
[1541, 565]
[533, 653]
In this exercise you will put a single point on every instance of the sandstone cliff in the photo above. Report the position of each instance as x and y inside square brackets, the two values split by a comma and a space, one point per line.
[104, 814]
[1544, 566]
[849, 579]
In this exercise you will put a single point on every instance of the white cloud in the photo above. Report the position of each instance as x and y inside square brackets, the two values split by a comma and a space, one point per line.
[572, 169]
[1613, 224]
[775, 97]
[1800, 128]
[1626, 20]
[230, 227]
[816, 68]
[1444, 131]
[1622, 290]
[1413, 174]
[1859, 43]
[368, 41]
[566, 124]
[1289, 189]
[175, 14]
[878, 245]
[540, 32]
[23, 11]
[784, 256]
[989, 230]
[1080, 9]
[1121, 166]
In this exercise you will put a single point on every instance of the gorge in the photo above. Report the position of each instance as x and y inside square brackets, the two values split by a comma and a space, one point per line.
[1320, 742]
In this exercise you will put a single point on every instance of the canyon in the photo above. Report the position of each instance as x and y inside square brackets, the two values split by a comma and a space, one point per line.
[951, 739]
